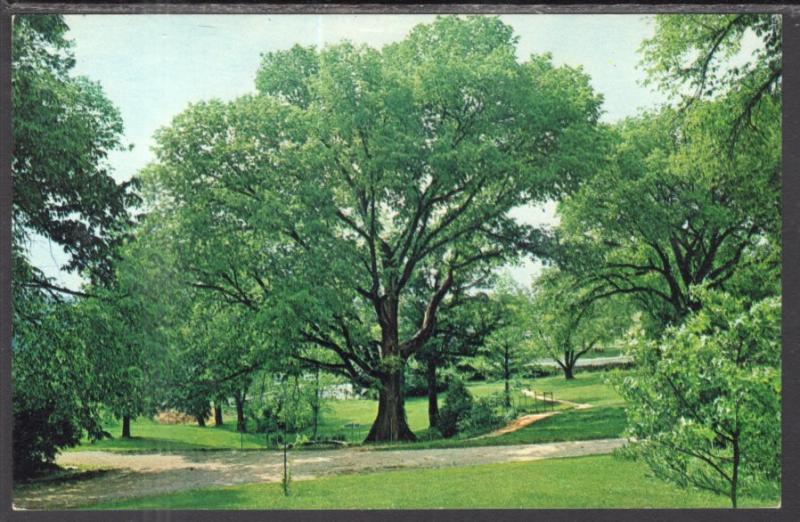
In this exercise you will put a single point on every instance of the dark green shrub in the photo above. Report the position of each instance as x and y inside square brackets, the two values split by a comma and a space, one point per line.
[457, 406]
[54, 399]
[533, 371]
[483, 416]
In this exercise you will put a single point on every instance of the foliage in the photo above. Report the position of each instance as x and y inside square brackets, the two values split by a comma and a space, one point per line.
[690, 56]
[316, 202]
[565, 324]
[704, 401]
[55, 394]
[483, 416]
[63, 129]
[457, 406]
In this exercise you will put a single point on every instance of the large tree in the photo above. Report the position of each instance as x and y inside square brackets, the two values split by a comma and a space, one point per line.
[675, 209]
[319, 200]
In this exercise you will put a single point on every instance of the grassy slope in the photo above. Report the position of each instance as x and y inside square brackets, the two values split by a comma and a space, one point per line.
[600, 423]
[338, 416]
[581, 482]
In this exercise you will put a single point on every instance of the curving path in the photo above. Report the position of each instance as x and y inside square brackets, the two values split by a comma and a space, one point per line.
[133, 475]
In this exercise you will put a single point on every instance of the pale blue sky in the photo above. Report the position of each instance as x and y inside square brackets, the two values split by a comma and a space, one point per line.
[153, 66]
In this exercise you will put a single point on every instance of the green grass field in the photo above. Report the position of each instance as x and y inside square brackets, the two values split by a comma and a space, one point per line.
[599, 423]
[581, 482]
[351, 419]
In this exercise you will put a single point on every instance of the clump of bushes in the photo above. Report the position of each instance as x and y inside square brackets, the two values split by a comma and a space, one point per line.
[483, 416]
[461, 414]
[457, 406]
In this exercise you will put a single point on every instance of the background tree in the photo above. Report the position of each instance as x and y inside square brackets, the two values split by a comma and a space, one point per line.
[704, 401]
[328, 206]
[229, 353]
[675, 209]
[463, 321]
[694, 191]
[127, 319]
[565, 325]
[505, 351]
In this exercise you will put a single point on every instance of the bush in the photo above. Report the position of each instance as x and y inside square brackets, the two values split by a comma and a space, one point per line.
[457, 406]
[533, 371]
[483, 416]
[54, 399]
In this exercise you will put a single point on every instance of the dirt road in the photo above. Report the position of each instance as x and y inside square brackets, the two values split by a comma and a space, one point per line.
[134, 475]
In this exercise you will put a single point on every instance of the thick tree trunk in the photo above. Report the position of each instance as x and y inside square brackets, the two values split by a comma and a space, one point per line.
[241, 427]
[217, 413]
[433, 396]
[390, 424]
[568, 372]
[126, 426]
[201, 421]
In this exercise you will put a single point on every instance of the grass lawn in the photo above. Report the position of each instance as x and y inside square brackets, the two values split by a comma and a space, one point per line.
[351, 419]
[595, 423]
[149, 435]
[586, 387]
[582, 482]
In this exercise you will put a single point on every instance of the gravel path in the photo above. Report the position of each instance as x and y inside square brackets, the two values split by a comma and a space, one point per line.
[133, 475]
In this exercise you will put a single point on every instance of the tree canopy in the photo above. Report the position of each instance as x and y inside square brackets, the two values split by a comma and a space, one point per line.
[334, 195]
[63, 131]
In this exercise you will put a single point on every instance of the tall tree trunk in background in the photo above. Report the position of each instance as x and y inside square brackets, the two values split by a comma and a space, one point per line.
[315, 407]
[241, 427]
[569, 364]
[201, 421]
[217, 413]
[507, 374]
[433, 397]
[126, 426]
[735, 477]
